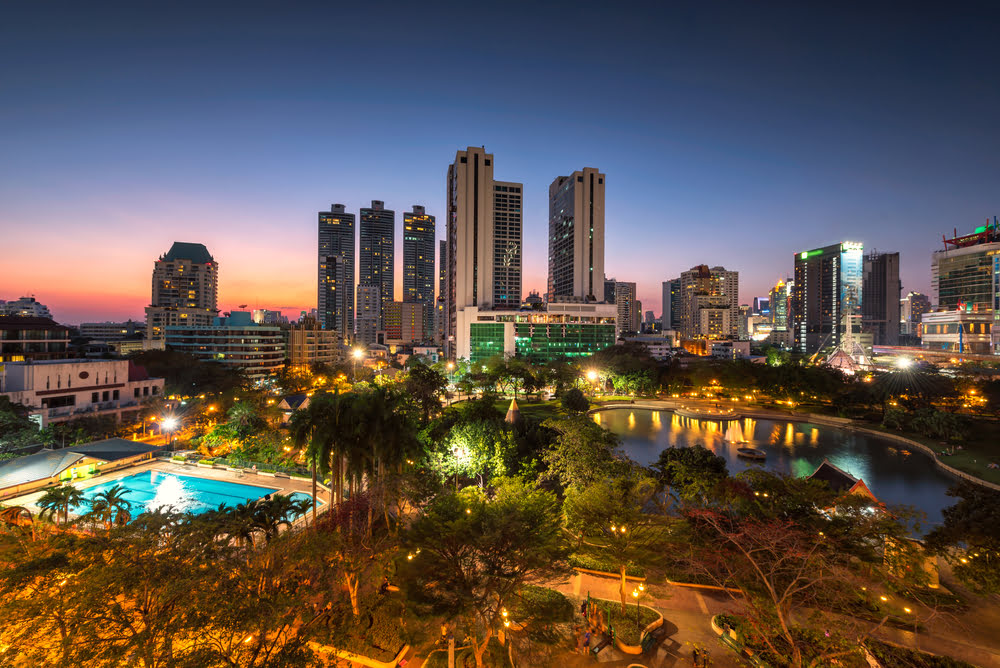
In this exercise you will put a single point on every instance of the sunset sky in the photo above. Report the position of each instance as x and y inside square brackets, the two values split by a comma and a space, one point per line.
[731, 134]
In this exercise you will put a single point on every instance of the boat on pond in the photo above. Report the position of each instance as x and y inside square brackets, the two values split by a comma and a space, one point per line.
[751, 453]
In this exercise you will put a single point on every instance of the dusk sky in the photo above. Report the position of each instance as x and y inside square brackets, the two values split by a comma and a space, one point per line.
[731, 134]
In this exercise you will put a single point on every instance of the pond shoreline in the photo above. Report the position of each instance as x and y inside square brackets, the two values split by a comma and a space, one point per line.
[812, 418]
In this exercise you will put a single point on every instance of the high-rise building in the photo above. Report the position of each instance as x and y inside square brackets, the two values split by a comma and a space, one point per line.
[26, 307]
[913, 306]
[441, 304]
[366, 322]
[779, 306]
[484, 240]
[964, 276]
[185, 291]
[235, 341]
[628, 308]
[404, 322]
[335, 300]
[376, 256]
[709, 303]
[828, 288]
[762, 307]
[880, 305]
[671, 315]
[609, 291]
[576, 236]
[418, 264]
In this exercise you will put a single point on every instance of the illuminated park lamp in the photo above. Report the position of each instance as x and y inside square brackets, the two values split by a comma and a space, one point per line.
[904, 363]
[591, 375]
[358, 353]
[169, 423]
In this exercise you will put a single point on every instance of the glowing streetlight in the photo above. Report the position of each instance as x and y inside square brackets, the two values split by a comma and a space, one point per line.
[904, 363]
[356, 354]
[591, 375]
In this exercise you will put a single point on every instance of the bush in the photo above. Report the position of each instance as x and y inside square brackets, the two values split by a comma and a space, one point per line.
[901, 657]
[210, 462]
[595, 563]
[543, 604]
[379, 639]
[574, 401]
[179, 458]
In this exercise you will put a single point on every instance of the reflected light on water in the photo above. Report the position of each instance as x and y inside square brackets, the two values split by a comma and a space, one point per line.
[789, 434]
[170, 492]
[749, 425]
[631, 420]
[597, 417]
[657, 425]
[814, 436]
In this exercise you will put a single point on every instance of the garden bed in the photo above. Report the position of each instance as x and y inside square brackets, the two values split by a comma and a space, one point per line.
[595, 563]
[627, 632]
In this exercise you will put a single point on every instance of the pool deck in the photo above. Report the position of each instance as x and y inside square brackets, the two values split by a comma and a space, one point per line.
[279, 485]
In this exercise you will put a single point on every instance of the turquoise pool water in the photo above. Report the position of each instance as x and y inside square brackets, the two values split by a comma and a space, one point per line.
[186, 494]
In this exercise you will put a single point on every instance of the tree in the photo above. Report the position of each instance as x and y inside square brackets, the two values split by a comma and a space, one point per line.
[968, 537]
[111, 506]
[690, 472]
[610, 516]
[472, 553]
[16, 429]
[425, 386]
[574, 401]
[56, 499]
[477, 449]
[583, 452]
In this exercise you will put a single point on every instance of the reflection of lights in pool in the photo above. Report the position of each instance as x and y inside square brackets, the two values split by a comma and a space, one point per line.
[170, 492]
[749, 426]
[789, 434]
[814, 437]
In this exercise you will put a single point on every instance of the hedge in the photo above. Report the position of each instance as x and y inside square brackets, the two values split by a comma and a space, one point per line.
[593, 562]
[541, 603]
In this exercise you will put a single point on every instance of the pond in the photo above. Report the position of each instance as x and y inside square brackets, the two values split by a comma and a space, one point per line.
[895, 474]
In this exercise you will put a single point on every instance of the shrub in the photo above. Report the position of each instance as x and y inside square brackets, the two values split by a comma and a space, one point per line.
[179, 458]
[891, 655]
[542, 604]
[595, 563]
[210, 462]
[574, 401]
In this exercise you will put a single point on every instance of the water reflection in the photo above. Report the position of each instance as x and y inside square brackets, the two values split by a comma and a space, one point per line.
[895, 475]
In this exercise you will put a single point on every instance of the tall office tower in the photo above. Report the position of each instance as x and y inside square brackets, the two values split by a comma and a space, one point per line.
[335, 300]
[709, 303]
[185, 291]
[912, 306]
[762, 307]
[376, 260]
[828, 288]
[441, 304]
[779, 306]
[628, 314]
[507, 225]
[366, 324]
[418, 264]
[965, 275]
[671, 315]
[637, 316]
[484, 240]
[881, 289]
[576, 236]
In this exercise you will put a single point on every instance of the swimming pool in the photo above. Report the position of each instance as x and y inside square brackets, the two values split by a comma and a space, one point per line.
[186, 494]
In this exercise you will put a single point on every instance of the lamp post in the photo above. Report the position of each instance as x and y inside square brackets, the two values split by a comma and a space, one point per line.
[636, 593]
[451, 375]
[356, 354]
[169, 423]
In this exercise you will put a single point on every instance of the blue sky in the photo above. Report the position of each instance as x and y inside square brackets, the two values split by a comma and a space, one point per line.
[730, 133]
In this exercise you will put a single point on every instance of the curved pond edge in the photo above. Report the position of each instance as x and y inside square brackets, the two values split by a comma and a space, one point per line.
[812, 418]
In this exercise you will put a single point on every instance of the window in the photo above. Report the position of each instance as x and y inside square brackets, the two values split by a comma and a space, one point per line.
[93, 397]
[145, 391]
[115, 395]
[135, 393]
[104, 395]
[463, 160]
[487, 162]
[600, 181]
[156, 390]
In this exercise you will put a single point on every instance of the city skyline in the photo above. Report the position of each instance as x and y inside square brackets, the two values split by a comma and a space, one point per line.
[729, 151]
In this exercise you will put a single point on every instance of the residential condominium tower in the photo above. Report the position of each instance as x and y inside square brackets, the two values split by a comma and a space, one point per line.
[709, 303]
[376, 257]
[418, 264]
[670, 318]
[185, 291]
[828, 288]
[484, 240]
[576, 236]
[335, 299]
[881, 289]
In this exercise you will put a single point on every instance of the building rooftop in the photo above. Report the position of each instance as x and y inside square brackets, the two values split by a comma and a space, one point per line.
[182, 250]
[48, 463]
[29, 322]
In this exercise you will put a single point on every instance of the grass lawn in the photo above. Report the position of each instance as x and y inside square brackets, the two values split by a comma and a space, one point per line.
[625, 627]
[540, 410]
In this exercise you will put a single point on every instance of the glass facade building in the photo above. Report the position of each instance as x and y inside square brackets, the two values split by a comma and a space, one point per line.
[828, 287]
[418, 264]
[376, 253]
[335, 299]
[540, 343]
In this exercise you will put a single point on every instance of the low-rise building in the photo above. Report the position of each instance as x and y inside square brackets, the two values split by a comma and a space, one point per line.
[236, 341]
[112, 331]
[26, 307]
[308, 343]
[25, 338]
[660, 346]
[958, 331]
[62, 390]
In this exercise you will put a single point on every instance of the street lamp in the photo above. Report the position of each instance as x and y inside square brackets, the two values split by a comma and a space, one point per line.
[356, 354]
[169, 423]
[636, 593]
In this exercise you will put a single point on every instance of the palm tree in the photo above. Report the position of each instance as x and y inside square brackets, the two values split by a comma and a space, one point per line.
[58, 499]
[111, 506]
[325, 428]
[271, 514]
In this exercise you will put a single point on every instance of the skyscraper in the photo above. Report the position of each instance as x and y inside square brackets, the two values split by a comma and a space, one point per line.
[366, 322]
[828, 287]
[576, 236]
[779, 306]
[628, 308]
[185, 291]
[670, 318]
[912, 306]
[484, 239]
[709, 303]
[376, 259]
[881, 289]
[441, 305]
[335, 299]
[418, 264]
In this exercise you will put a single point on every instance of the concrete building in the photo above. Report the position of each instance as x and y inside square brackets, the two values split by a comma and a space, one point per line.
[418, 264]
[570, 330]
[185, 291]
[913, 306]
[661, 346]
[61, 390]
[335, 297]
[828, 288]
[307, 343]
[376, 253]
[881, 289]
[441, 303]
[112, 331]
[263, 316]
[627, 308]
[366, 324]
[404, 323]
[484, 241]
[709, 303]
[670, 316]
[26, 338]
[25, 307]
[958, 332]
[576, 236]
[236, 341]
[779, 306]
